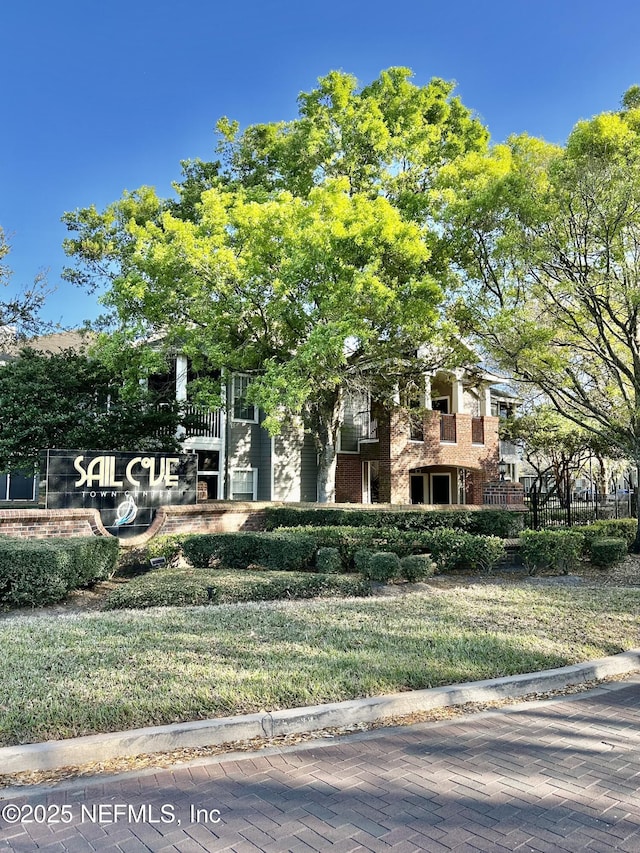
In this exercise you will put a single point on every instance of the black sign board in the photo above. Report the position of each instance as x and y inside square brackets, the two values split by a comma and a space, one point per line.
[126, 488]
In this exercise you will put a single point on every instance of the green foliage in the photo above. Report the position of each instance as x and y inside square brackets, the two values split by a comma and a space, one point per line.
[304, 259]
[383, 566]
[607, 552]
[42, 571]
[502, 523]
[544, 237]
[551, 550]
[68, 399]
[616, 528]
[416, 567]
[328, 560]
[184, 587]
[279, 551]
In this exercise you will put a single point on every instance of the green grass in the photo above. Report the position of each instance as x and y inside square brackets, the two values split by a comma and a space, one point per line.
[82, 674]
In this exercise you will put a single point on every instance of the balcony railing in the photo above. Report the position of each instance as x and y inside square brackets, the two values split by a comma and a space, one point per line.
[447, 427]
[477, 430]
[201, 422]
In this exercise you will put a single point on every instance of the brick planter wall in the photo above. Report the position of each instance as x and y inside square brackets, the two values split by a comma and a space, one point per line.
[47, 523]
[503, 493]
[217, 517]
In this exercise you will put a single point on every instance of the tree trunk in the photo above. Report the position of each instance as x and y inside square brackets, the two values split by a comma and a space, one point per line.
[327, 464]
[636, 545]
[327, 420]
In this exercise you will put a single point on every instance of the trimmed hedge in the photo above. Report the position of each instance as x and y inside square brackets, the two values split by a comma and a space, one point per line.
[184, 587]
[328, 561]
[608, 552]
[383, 566]
[279, 551]
[449, 549]
[492, 522]
[616, 528]
[555, 550]
[416, 567]
[34, 572]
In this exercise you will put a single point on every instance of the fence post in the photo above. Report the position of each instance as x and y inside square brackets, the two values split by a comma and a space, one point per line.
[568, 498]
[534, 506]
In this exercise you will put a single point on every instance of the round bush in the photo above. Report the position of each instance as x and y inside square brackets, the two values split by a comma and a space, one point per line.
[416, 567]
[383, 566]
[607, 552]
[328, 561]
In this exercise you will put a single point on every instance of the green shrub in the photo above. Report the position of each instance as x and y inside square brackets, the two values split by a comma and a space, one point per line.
[608, 551]
[383, 566]
[453, 549]
[616, 528]
[279, 551]
[185, 587]
[328, 561]
[496, 522]
[34, 572]
[554, 550]
[416, 567]
[361, 560]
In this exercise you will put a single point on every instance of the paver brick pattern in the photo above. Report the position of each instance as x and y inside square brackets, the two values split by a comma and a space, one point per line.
[550, 776]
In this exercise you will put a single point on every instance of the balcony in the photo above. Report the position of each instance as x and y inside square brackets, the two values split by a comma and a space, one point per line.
[477, 430]
[448, 428]
[199, 422]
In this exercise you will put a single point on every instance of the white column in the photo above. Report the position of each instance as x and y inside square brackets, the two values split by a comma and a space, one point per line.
[485, 400]
[181, 377]
[457, 398]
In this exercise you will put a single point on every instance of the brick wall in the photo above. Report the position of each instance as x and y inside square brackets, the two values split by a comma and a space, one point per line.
[503, 493]
[199, 518]
[349, 478]
[405, 455]
[47, 523]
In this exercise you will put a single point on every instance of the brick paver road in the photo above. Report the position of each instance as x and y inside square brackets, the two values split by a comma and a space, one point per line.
[547, 776]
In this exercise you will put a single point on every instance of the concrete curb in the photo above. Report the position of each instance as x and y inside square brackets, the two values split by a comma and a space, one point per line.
[62, 753]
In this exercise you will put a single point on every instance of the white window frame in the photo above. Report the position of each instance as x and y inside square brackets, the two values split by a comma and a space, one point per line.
[241, 376]
[254, 473]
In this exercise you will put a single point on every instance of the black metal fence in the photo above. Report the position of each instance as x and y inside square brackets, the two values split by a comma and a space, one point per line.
[554, 510]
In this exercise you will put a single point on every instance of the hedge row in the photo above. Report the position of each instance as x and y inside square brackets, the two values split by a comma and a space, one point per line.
[492, 522]
[34, 572]
[179, 587]
[297, 549]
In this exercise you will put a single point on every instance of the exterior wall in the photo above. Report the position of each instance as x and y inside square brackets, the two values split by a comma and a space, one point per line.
[406, 455]
[503, 493]
[49, 523]
[349, 478]
[206, 518]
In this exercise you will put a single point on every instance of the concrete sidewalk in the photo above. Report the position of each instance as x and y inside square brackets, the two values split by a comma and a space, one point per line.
[556, 775]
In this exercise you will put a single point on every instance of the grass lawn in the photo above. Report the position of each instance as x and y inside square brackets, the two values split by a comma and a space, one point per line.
[106, 671]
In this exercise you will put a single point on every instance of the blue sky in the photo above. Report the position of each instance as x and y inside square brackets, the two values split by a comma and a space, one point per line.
[100, 97]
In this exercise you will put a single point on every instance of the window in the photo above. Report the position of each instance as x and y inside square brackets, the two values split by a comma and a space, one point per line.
[244, 484]
[242, 410]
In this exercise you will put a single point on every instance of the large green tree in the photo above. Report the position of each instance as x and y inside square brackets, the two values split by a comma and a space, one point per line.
[548, 242]
[307, 259]
[70, 399]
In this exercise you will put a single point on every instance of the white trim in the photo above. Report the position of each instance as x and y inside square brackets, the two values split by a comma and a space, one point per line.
[234, 419]
[446, 397]
[254, 472]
